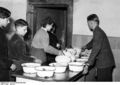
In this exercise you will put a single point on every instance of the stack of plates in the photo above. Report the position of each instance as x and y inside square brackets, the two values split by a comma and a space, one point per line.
[76, 66]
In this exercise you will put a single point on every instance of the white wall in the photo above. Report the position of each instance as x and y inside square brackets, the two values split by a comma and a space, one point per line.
[107, 10]
[17, 7]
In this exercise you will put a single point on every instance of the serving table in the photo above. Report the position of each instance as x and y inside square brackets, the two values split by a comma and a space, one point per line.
[67, 76]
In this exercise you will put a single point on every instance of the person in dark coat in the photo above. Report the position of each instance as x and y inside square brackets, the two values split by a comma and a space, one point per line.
[6, 64]
[101, 57]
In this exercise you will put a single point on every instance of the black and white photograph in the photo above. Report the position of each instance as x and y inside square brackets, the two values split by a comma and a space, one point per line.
[49, 42]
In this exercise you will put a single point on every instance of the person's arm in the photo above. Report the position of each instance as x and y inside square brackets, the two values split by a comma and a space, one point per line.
[48, 48]
[52, 50]
[96, 47]
[89, 45]
[41, 40]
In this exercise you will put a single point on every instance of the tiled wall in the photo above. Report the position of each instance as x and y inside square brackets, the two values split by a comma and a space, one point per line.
[80, 40]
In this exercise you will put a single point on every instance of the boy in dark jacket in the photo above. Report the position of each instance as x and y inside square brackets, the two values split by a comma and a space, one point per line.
[5, 63]
[17, 45]
[101, 57]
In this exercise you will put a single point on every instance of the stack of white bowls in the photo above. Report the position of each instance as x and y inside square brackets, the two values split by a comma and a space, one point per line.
[30, 67]
[37, 69]
[45, 71]
[76, 66]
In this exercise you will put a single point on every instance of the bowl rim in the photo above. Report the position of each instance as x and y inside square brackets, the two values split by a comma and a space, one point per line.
[27, 65]
[73, 64]
[52, 64]
[82, 59]
[44, 69]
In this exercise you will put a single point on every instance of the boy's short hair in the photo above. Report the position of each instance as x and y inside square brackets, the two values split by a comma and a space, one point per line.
[47, 20]
[4, 13]
[93, 17]
[20, 22]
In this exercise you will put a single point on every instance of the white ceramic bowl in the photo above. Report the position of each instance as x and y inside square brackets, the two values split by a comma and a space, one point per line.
[30, 67]
[30, 75]
[60, 76]
[82, 59]
[59, 68]
[63, 63]
[62, 58]
[45, 71]
[76, 66]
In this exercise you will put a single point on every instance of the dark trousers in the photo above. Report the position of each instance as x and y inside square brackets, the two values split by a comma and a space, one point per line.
[4, 75]
[91, 76]
[104, 74]
[50, 58]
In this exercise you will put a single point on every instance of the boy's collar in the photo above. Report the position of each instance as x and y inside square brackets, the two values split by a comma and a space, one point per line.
[20, 36]
[44, 29]
[96, 28]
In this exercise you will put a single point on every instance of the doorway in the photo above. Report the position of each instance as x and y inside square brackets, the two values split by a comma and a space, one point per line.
[58, 14]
